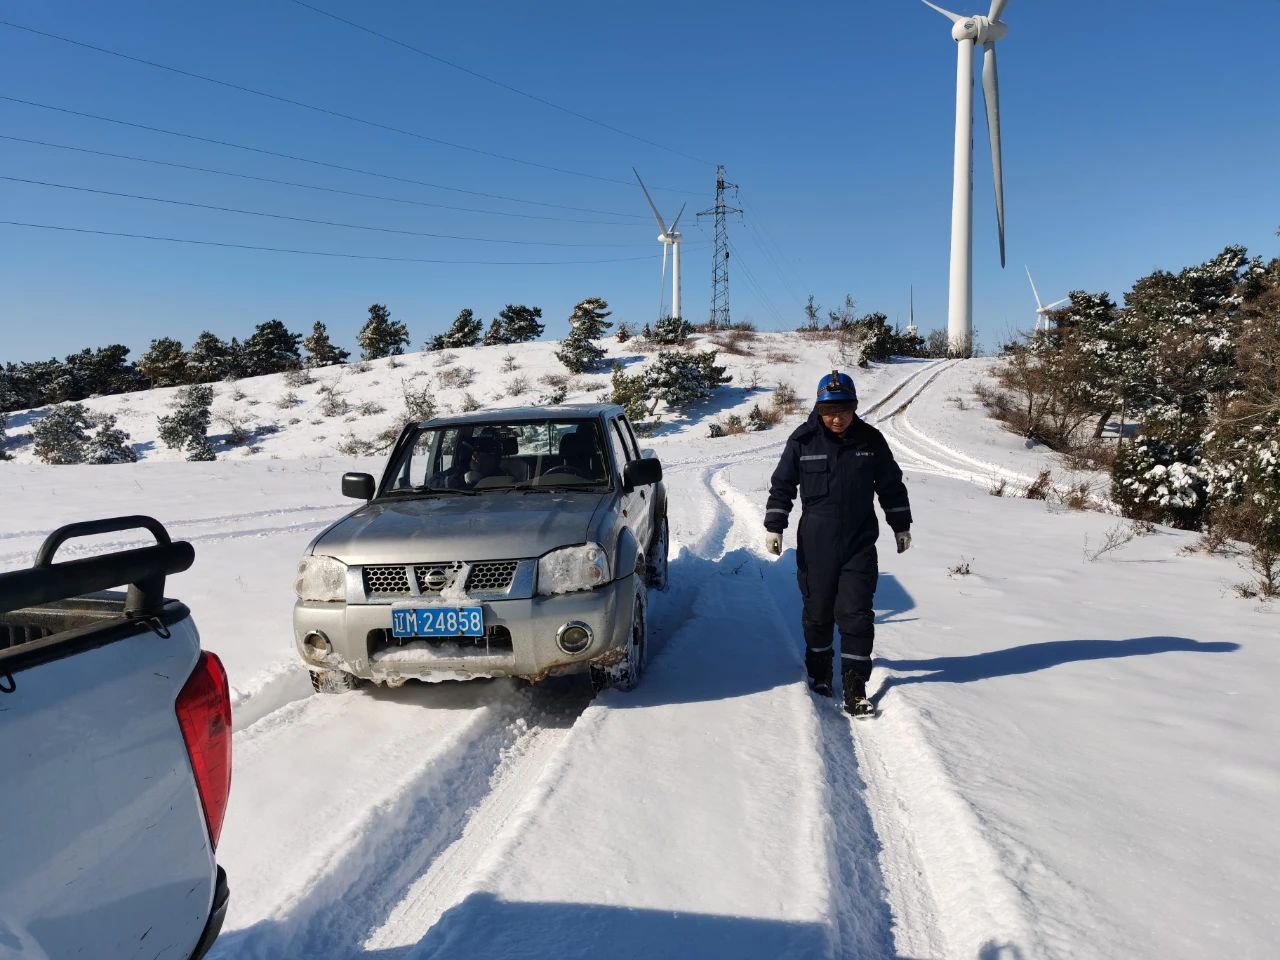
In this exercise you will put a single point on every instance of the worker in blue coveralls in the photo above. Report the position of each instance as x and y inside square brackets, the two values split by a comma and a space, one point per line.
[838, 461]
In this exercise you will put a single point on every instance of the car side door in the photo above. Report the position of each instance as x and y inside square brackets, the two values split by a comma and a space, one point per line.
[637, 504]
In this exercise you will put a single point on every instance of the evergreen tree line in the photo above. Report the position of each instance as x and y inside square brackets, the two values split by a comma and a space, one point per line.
[868, 337]
[1191, 363]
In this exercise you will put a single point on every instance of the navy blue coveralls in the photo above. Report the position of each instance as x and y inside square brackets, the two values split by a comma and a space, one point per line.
[836, 564]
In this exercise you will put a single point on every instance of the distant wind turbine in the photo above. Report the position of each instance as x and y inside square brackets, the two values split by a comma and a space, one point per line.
[967, 32]
[670, 240]
[1042, 311]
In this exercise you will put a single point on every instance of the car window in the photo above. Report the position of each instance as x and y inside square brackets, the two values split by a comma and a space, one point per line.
[631, 438]
[487, 455]
[620, 453]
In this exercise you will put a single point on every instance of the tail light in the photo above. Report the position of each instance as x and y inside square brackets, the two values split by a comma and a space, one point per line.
[204, 714]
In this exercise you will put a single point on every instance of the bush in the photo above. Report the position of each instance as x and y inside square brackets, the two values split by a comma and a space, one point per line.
[469, 403]
[419, 404]
[187, 427]
[1040, 487]
[61, 437]
[669, 331]
[763, 419]
[682, 379]
[333, 403]
[457, 378]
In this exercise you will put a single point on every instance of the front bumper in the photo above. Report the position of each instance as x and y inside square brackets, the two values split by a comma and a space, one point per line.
[359, 638]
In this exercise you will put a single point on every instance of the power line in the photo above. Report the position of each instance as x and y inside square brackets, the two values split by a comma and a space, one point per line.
[281, 216]
[316, 253]
[318, 163]
[376, 124]
[304, 186]
[497, 83]
[765, 300]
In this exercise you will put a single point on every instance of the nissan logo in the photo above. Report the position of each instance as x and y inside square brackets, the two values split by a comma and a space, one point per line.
[435, 579]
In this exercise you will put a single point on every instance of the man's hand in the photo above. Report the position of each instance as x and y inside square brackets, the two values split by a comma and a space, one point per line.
[904, 541]
[773, 543]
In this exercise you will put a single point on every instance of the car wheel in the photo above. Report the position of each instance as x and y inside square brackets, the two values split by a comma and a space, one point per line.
[625, 674]
[655, 570]
[332, 681]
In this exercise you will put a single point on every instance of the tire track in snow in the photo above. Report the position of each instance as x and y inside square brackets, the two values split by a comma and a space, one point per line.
[890, 794]
[391, 782]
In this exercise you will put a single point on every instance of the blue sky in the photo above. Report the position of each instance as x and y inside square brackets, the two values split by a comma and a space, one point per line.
[1136, 136]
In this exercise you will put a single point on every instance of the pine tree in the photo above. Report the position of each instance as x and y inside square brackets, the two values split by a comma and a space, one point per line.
[579, 354]
[381, 336]
[209, 359]
[520, 324]
[102, 372]
[270, 349]
[187, 427]
[164, 363]
[465, 332]
[811, 311]
[109, 444]
[496, 334]
[60, 437]
[320, 349]
[632, 394]
[587, 323]
[682, 379]
[669, 330]
[4, 441]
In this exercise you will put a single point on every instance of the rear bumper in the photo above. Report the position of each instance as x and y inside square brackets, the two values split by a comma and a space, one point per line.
[531, 623]
[221, 894]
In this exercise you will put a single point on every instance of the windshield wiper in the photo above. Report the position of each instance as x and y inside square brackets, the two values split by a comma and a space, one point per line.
[427, 491]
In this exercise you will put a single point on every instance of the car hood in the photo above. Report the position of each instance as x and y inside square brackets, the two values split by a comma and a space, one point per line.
[491, 526]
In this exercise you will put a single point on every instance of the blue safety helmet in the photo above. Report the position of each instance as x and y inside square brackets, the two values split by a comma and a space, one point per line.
[837, 387]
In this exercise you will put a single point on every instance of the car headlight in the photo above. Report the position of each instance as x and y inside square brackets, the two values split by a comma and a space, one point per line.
[321, 578]
[573, 568]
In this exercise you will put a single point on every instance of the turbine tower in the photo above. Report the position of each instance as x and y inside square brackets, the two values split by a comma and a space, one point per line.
[967, 32]
[670, 240]
[1042, 311]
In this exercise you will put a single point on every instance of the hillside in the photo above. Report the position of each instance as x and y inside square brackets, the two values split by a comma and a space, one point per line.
[1074, 756]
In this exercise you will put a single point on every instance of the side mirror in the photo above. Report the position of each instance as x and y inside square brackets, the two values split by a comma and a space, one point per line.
[357, 485]
[641, 473]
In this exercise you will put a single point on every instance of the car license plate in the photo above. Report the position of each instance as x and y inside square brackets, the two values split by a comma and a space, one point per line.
[438, 622]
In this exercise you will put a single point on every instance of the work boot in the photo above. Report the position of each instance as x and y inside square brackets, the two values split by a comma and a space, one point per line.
[855, 697]
[818, 667]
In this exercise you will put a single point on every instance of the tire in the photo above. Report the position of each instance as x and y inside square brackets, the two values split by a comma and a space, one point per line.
[655, 567]
[332, 681]
[625, 674]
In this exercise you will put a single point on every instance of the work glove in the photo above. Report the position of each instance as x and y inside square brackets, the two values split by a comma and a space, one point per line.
[773, 543]
[904, 541]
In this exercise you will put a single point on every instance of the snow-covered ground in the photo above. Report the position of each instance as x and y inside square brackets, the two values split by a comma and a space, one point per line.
[1074, 757]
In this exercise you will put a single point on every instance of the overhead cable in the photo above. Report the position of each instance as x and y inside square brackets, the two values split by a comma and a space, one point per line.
[307, 186]
[281, 216]
[497, 83]
[318, 163]
[316, 253]
[327, 111]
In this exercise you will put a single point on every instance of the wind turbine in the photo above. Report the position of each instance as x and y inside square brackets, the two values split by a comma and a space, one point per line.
[967, 32]
[670, 240]
[1042, 311]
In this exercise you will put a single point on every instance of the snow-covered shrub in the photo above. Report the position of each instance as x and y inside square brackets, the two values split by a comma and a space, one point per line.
[419, 402]
[469, 403]
[333, 403]
[632, 394]
[682, 379]
[187, 426]
[298, 377]
[288, 399]
[668, 330]
[109, 444]
[61, 436]
[457, 377]
[763, 418]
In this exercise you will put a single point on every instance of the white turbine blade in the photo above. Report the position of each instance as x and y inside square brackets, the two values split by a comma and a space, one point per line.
[656, 215]
[1058, 303]
[1039, 305]
[997, 8]
[953, 17]
[991, 97]
[677, 219]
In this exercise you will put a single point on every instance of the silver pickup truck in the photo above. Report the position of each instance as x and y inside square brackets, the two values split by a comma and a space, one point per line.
[115, 758]
[507, 543]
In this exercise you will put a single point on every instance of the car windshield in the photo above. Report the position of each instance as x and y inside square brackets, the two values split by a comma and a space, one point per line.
[476, 457]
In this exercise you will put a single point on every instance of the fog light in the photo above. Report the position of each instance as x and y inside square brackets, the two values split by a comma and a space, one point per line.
[573, 637]
[316, 644]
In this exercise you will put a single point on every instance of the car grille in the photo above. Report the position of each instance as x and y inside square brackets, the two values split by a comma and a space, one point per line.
[493, 577]
[490, 576]
[495, 642]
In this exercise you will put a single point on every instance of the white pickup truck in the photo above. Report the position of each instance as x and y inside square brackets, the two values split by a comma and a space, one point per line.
[115, 758]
